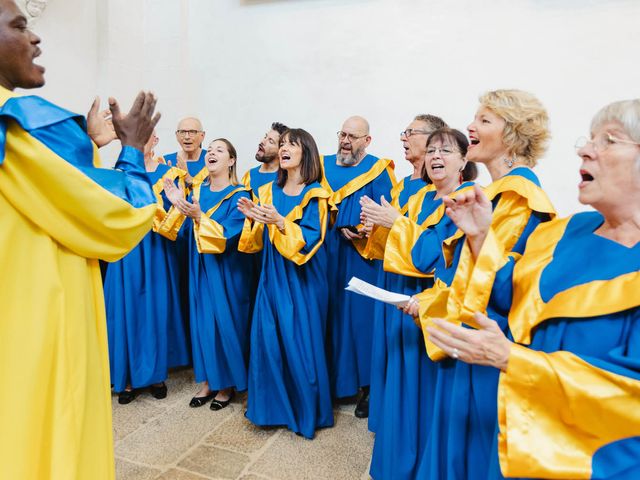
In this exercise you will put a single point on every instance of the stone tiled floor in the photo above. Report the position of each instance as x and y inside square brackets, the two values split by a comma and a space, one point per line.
[165, 439]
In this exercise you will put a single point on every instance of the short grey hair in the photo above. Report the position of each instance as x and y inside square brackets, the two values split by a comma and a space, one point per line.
[624, 112]
[433, 122]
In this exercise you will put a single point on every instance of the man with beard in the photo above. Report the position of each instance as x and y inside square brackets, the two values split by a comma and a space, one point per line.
[267, 155]
[59, 215]
[190, 157]
[349, 175]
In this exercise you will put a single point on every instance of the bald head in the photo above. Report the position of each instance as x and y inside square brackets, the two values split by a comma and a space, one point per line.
[356, 123]
[353, 141]
[190, 123]
[190, 136]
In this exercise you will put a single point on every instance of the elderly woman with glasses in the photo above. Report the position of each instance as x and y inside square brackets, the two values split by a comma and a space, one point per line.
[568, 400]
[508, 135]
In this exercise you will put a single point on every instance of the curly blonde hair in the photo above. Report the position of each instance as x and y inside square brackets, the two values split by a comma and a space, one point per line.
[526, 131]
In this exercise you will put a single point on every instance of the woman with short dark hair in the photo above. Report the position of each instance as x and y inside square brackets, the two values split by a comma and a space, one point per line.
[288, 378]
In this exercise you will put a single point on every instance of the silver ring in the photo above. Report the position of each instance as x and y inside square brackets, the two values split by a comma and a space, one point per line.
[455, 353]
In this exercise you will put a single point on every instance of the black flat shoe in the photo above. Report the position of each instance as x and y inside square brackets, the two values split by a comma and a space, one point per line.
[362, 407]
[220, 404]
[200, 401]
[127, 396]
[159, 392]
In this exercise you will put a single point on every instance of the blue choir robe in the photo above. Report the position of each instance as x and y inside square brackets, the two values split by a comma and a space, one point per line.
[197, 168]
[144, 319]
[221, 292]
[463, 423]
[288, 376]
[569, 401]
[199, 173]
[350, 315]
[60, 213]
[411, 255]
[400, 195]
[253, 179]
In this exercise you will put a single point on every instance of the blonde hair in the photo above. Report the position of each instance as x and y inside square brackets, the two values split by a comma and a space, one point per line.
[526, 130]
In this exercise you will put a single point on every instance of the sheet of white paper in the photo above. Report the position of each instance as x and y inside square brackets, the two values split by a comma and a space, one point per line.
[363, 288]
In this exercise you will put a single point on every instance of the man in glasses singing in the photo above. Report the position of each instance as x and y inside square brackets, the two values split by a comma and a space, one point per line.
[350, 174]
[190, 157]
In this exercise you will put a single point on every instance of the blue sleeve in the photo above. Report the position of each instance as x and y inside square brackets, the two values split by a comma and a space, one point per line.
[382, 185]
[535, 219]
[64, 133]
[233, 221]
[310, 225]
[426, 254]
[502, 290]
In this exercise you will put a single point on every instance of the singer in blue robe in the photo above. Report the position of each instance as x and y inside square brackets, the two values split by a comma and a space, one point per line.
[288, 377]
[254, 179]
[400, 195]
[569, 369]
[464, 415]
[144, 321]
[350, 315]
[412, 252]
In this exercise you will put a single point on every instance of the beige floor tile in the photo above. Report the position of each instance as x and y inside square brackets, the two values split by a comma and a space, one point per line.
[131, 471]
[176, 474]
[215, 462]
[128, 418]
[165, 439]
[240, 435]
[341, 452]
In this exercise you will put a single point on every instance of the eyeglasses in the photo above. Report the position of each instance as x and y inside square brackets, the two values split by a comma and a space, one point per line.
[342, 135]
[413, 131]
[444, 151]
[184, 133]
[600, 144]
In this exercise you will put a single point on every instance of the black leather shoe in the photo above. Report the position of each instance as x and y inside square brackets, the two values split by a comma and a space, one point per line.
[126, 396]
[159, 392]
[362, 407]
[200, 401]
[220, 404]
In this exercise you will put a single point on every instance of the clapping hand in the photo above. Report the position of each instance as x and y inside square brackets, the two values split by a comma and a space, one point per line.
[383, 214]
[471, 211]
[176, 197]
[487, 345]
[99, 125]
[181, 163]
[135, 128]
[266, 214]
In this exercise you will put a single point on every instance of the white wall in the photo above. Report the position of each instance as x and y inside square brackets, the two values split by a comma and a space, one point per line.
[241, 64]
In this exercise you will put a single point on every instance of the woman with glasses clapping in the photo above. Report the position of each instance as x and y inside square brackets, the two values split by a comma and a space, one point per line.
[404, 408]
